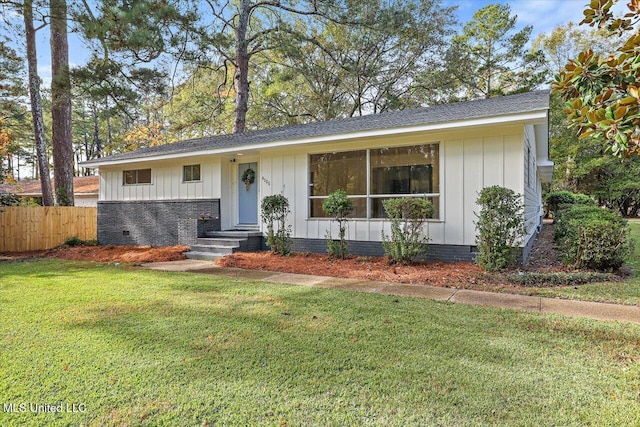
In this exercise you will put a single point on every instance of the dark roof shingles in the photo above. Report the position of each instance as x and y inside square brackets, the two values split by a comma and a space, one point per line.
[512, 104]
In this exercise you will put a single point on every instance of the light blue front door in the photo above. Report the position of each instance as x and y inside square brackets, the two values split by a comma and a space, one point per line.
[247, 193]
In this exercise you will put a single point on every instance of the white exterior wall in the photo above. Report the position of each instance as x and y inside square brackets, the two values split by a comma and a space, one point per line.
[469, 161]
[531, 184]
[87, 201]
[166, 181]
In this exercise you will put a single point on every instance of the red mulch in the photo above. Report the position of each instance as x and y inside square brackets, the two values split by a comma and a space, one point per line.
[433, 273]
[464, 275]
[109, 253]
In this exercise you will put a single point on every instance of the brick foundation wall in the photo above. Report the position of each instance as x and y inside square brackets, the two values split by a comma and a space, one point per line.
[446, 253]
[152, 222]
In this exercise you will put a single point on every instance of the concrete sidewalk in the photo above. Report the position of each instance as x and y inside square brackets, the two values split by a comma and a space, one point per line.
[594, 310]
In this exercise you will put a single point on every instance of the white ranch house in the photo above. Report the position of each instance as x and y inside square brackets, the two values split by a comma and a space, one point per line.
[448, 153]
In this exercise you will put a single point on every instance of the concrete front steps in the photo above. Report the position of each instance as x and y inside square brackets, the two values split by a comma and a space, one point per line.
[217, 244]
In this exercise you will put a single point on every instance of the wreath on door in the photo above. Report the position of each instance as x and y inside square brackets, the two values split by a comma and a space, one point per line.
[248, 177]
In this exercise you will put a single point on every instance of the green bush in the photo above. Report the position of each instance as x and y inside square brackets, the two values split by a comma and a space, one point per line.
[500, 227]
[556, 199]
[407, 215]
[76, 241]
[73, 241]
[275, 209]
[597, 244]
[592, 237]
[576, 212]
[339, 206]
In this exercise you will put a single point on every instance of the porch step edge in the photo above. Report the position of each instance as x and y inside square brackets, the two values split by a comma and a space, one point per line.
[203, 256]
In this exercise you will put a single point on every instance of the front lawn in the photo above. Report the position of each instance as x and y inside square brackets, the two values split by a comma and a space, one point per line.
[138, 347]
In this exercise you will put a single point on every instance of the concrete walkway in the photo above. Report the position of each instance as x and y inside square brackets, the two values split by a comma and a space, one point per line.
[594, 310]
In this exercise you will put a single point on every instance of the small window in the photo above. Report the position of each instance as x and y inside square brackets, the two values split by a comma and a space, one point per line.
[191, 173]
[138, 176]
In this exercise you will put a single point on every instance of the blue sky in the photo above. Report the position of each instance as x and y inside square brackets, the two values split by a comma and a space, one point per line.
[543, 15]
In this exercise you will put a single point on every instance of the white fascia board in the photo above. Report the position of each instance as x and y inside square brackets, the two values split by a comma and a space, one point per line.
[534, 117]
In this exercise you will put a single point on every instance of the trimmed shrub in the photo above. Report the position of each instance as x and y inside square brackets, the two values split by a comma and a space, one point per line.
[575, 212]
[592, 237]
[597, 244]
[556, 199]
[500, 227]
[339, 206]
[407, 241]
[275, 209]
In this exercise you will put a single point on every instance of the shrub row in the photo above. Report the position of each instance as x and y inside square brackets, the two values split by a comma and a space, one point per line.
[407, 216]
[591, 237]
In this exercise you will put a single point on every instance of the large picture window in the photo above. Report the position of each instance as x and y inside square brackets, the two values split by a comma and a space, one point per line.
[371, 176]
[137, 176]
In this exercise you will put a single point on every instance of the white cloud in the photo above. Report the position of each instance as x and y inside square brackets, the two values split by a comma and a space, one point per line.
[545, 15]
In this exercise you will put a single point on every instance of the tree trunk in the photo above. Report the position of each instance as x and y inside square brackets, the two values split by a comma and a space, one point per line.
[61, 104]
[96, 130]
[241, 75]
[36, 106]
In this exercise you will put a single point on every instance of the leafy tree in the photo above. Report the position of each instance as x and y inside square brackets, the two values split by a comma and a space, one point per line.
[566, 41]
[123, 85]
[346, 70]
[248, 27]
[10, 107]
[490, 58]
[602, 94]
[198, 107]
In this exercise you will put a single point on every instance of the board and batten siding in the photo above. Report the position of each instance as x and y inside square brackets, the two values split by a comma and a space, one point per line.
[166, 181]
[469, 161]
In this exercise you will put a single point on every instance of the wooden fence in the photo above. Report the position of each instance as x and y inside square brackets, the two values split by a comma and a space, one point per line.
[37, 228]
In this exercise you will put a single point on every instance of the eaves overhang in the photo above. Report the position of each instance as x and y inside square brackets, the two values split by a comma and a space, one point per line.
[532, 117]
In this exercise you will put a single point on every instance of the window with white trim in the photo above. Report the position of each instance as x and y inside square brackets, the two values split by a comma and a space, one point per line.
[136, 176]
[371, 176]
[190, 173]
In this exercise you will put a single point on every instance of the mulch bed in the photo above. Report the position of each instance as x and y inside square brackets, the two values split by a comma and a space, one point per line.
[543, 258]
[463, 275]
[109, 253]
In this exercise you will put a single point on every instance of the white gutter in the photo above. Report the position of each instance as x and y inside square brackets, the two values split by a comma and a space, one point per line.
[536, 116]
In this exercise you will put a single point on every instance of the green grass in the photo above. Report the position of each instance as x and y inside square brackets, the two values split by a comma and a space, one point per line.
[141, 347]
[627, 292]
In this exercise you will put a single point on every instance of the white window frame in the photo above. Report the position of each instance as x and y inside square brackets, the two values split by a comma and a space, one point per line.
[137, 179]
[370, 196]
